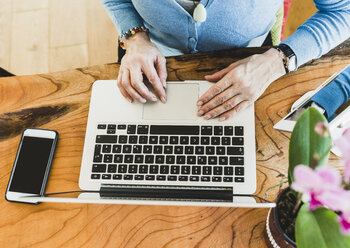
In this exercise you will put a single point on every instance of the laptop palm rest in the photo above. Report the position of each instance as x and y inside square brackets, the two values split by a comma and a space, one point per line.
[180, 105]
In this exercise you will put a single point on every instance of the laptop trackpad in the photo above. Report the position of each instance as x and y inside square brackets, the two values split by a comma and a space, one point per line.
[180, 105]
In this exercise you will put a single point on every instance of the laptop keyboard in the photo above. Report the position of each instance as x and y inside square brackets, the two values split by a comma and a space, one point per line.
[188, 153]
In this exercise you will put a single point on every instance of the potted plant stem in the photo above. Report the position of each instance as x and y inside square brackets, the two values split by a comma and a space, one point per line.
[314, 211]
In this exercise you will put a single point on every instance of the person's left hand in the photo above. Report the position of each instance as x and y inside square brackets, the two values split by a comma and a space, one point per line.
[240, 84]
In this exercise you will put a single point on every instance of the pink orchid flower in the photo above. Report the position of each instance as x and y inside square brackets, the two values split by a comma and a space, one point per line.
[315, 182]
[344, 221]
[343, 143]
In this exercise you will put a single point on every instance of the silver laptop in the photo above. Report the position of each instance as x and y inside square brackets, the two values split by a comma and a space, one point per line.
[157, 153]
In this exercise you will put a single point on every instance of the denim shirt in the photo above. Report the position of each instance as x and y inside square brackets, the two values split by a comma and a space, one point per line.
[232, 23]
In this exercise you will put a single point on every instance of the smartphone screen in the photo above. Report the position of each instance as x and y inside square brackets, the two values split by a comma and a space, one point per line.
[32, 163]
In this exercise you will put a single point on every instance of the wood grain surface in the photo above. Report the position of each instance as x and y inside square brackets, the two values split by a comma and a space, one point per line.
[60, 101]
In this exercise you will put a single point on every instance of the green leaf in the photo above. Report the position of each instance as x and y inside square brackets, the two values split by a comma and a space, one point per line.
[305, 142]
[319, 229]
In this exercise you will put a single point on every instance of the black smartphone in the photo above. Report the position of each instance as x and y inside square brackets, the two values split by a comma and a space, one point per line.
[32, 165]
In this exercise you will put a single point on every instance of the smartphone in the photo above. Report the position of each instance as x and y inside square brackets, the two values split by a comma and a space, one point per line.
[32, 165]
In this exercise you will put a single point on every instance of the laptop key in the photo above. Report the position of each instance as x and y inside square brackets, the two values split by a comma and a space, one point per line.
[123, 139]
[143, 139]
[153, 169]
[98, 158]
[164, 169]
[207, 170]
[216, 179]
[194, 178]
[117, 177]
[111, 126]
[217, 170]
[239, 131]
[174, 129]
[235, 151]
[180, 159]
[110, 131]
[194, 140]
[132, 139]
[106, 176]
[172, 178]
[223, 160]
[201, 160]
[226, 141]
[184, 140]
[168, 150]
[175, 169]
[139, 177]
[185, 170]
[132, 168]
[237, 141]
[189, 149]
[228, 130]
[239, 171]
[205, 179]
[239, 179]
[228, 179]
[122, 168]
[97, 149]
[107, 158]
[228, 171]
[191, 159]
[95, 176]
[121, 127]
[218, 130]
[131, 129]
[116, 149]
[170, 159]
[142, 129]
[174, 140]
[143, 169]
[161, 178]
[158, 149]
[199, 149]
[128, 159]
[106, 138]
[112, 168]
[236, 160]
[118, 159]
[137, 149]
[139, 159]
[212, 160]
[127, 148]
[149, 159]
[220, 150]
[128, 177]
[215, 140]
[160, 159]
[179, 149]
[153, 139]
[196, 170]
[205, 140]
[101, 126]
[150, 177]
[147, 149]
[101, 168]
[163, 139]
[183, 178]
[206, 130]
[210, 150]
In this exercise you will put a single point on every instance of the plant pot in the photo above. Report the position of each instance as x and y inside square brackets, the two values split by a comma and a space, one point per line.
[275, 237]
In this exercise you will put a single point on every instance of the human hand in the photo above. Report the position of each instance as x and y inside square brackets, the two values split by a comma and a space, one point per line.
[240, 84]
[142, 57]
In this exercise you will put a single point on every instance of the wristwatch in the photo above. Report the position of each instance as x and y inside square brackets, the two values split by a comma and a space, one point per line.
[318, 107]
[288, 57]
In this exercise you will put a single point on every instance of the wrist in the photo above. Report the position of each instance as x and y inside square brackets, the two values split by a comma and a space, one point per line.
[276, 61]
[136, 40]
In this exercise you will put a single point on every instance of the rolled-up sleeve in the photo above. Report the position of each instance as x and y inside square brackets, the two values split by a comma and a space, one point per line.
[326, 29]
[123, 14]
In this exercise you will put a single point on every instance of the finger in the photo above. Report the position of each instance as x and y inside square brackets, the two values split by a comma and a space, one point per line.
[153, 78]
[226, 106]
[217, 75]
[121, 89]
[241, 106]
[139, 86]
[214, 90]
[217, 101]
[160, 65]
[130, 90]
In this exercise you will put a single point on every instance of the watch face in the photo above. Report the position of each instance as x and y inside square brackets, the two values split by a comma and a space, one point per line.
[292, 65]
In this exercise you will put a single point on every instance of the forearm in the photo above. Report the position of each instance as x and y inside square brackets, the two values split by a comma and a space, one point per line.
[323, 31]
[123, 14]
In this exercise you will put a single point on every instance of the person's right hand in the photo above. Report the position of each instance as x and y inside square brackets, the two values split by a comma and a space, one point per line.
[142, 57]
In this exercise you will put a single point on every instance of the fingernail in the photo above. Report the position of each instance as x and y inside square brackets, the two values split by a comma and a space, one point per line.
[130, 100]
[200, 113]
[164, 84]
[143, 100]
[222, 118]
[199, 103]
[163, 99]
[207, 117]
[154, 99]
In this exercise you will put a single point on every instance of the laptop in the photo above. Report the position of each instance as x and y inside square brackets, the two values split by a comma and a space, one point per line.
[165, 154]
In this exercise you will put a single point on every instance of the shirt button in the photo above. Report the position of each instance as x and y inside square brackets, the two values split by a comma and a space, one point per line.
[192, 42]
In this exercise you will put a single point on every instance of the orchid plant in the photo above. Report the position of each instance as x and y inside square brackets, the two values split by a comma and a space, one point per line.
[323, 205]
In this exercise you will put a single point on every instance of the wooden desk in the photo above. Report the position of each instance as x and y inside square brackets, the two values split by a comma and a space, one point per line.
[60, 101]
